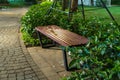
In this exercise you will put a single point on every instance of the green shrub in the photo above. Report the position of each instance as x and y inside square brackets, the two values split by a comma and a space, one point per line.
[3, 1]
[116, 2]
[37, 16]
[100, 58]
[33, 18]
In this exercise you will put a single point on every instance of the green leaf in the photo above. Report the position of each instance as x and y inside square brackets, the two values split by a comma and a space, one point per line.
[86, 50]
[119, 75]
[102, 74]
[96, 39]
[118, 47]
[103, 51]
[72, 64]
[75, 63]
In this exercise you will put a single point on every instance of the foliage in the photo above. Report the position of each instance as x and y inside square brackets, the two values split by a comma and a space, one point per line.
[100, 58]
[3, 1]
[33, 18]
[97, 60]
[116, 2]
[99, 3]
[37, 15]
[41, 0]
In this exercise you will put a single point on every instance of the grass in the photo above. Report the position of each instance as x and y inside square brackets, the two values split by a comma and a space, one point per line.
[101, 12]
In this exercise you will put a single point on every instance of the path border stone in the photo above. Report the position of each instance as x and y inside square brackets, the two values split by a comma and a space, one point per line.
[33, 65]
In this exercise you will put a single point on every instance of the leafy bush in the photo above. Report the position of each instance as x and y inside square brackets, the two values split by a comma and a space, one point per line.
[100, 58]
[3, 1]
[116, 2]
[40, 0]
[37, 16]
[33, 18]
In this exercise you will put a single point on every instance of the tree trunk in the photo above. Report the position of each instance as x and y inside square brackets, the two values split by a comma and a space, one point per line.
[64, 4]
[74, 5]
[92, 2]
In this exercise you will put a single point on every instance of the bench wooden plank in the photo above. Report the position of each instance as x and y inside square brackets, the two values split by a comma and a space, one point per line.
[61, 36]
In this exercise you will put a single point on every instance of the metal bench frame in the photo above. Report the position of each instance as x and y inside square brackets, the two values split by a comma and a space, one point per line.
[39, 33]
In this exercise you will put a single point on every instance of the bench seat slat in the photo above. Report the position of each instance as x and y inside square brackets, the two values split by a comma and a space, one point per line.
[61, 36]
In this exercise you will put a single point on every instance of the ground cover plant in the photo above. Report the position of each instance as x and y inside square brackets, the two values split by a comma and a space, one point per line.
[36, 16]
[101, 12]
[97, 60]
[100, 58]
[33, 18]
[115, 2]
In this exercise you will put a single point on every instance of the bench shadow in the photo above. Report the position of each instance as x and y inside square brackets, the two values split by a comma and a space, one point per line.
[52, 47]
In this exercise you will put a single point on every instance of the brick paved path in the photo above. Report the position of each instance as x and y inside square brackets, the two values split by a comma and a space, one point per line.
[15, 61]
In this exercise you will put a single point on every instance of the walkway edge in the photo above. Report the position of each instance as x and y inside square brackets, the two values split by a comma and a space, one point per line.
[33, 65]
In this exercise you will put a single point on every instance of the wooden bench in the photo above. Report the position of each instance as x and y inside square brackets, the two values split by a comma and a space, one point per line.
[62, 37]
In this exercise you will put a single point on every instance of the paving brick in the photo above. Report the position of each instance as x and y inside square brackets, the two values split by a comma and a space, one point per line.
[28, 79]
[10, 68]
[21, 78]
[28, 76]
[2, 68]
[11, 71]
[13, 75]
[28, 72]
[3, 72]
[27, 69]
[4, 79]
[35, 78]
[4, 75]
[15, 61]
[12, 78]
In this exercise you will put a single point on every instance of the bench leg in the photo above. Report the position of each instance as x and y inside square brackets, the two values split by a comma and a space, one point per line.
[63, 49]
[41, 43]
[65, 59]
[40, 38]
